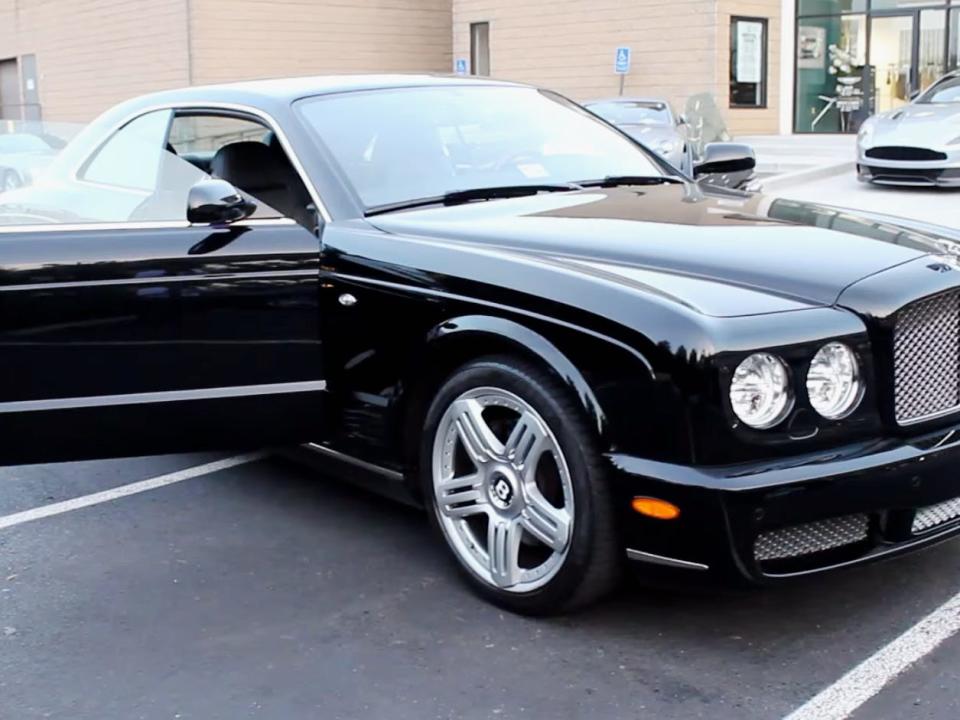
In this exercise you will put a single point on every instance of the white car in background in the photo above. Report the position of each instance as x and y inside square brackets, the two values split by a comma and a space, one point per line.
[918, 144]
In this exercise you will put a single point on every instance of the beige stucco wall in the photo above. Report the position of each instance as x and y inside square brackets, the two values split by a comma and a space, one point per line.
[680, 47]
[241, 39]
[94, 53]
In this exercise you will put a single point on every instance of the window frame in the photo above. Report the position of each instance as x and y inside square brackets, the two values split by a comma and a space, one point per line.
[191, 107]
[764, 90]
[475, 63]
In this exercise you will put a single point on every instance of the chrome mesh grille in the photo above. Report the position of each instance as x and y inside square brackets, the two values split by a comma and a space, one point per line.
[798, 540]
[930, 517]
[926, 358]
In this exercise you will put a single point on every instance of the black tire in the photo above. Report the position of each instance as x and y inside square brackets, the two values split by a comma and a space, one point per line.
[592, 566]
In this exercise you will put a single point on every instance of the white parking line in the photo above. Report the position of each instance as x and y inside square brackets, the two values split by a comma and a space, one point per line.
[845, 696]
[45, 511]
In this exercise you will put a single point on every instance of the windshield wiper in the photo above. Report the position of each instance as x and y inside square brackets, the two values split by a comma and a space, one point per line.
[623, 180]
[459, 197]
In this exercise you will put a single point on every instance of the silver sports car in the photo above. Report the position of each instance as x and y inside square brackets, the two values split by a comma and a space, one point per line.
[651, 122]
[918, 144]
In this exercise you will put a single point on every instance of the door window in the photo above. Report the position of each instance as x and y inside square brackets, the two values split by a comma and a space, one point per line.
[247, 154]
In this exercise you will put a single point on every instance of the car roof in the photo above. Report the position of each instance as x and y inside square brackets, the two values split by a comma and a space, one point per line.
[287, 90]
[664, 101]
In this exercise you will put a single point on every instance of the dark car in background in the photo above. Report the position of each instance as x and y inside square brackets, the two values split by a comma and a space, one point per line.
[479, 293]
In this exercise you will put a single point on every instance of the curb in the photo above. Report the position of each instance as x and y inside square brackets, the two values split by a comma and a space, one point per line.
[780, 182]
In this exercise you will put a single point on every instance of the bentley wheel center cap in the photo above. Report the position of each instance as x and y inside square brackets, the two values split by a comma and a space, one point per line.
[501, 491]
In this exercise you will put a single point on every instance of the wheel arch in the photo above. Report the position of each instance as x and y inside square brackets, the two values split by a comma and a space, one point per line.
[578, 358]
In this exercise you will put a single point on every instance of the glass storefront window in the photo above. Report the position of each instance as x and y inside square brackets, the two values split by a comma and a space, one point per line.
[831, 56]
[933, 37]
[852, 64]
[831, 7]
[953, 57]
[902, 4]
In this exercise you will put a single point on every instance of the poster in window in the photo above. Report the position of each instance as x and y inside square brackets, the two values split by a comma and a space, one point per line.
[749, 52]
[811, 47]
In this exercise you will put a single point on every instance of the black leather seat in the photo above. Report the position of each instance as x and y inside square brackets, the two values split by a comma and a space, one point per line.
[266, 174]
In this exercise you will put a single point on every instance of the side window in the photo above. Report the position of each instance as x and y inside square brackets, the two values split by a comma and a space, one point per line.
[203, 135]
[131, 158]
[246, 154]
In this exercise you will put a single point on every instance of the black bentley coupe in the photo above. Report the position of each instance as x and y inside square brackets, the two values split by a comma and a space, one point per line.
[577, 358]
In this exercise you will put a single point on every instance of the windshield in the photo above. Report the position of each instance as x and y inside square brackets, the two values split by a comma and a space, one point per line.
[945, 91]
[411, 143]
[633, 112]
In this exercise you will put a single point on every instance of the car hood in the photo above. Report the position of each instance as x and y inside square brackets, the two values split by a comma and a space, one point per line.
[918, 124]
[721, 253]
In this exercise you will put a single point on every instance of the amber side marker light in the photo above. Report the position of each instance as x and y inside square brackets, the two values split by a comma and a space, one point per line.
[659, 509]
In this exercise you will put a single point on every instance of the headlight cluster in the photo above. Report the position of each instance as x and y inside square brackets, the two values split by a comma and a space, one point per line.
[761, 395]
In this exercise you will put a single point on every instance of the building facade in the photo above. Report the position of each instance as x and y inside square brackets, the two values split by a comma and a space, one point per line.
[771, 66]
[67, 60]
[678, 49]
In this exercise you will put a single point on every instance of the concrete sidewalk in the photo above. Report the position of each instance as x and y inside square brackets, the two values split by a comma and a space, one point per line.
[783, 154]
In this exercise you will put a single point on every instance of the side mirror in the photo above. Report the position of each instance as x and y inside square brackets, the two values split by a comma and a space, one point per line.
[725, 159]
[217, 202]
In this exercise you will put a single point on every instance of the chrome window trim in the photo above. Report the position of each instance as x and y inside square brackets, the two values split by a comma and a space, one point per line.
[213, 393]
[147, 225]
[265, 117]
[160, 280]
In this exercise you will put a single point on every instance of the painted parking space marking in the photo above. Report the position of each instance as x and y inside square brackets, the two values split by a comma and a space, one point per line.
[844, 697]
[58, 508]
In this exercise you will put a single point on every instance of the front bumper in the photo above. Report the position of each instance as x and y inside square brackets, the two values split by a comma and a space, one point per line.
[917, 173]
[864, 499]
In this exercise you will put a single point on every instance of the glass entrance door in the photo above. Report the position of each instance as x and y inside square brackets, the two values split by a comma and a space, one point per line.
[892, 52]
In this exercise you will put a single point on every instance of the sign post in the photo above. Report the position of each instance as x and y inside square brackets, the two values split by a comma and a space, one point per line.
[621, 65]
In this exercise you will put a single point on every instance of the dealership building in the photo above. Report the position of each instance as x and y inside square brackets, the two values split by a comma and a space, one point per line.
[772, 66]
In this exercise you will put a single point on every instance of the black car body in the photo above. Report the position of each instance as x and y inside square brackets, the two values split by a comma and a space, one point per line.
[639, 299]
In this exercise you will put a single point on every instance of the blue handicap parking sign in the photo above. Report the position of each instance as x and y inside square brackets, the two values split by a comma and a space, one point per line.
[461, 66]
[622, 64]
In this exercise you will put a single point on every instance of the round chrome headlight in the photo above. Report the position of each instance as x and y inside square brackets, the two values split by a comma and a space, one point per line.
[760, 391]
[833, 381]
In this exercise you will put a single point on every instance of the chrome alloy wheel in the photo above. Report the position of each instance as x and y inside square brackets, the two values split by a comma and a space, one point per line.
[503, 493]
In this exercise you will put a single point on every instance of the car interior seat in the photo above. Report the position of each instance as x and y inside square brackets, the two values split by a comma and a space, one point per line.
[267, 175]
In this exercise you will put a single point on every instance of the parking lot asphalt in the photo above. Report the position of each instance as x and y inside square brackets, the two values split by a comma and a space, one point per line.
[270, 590]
